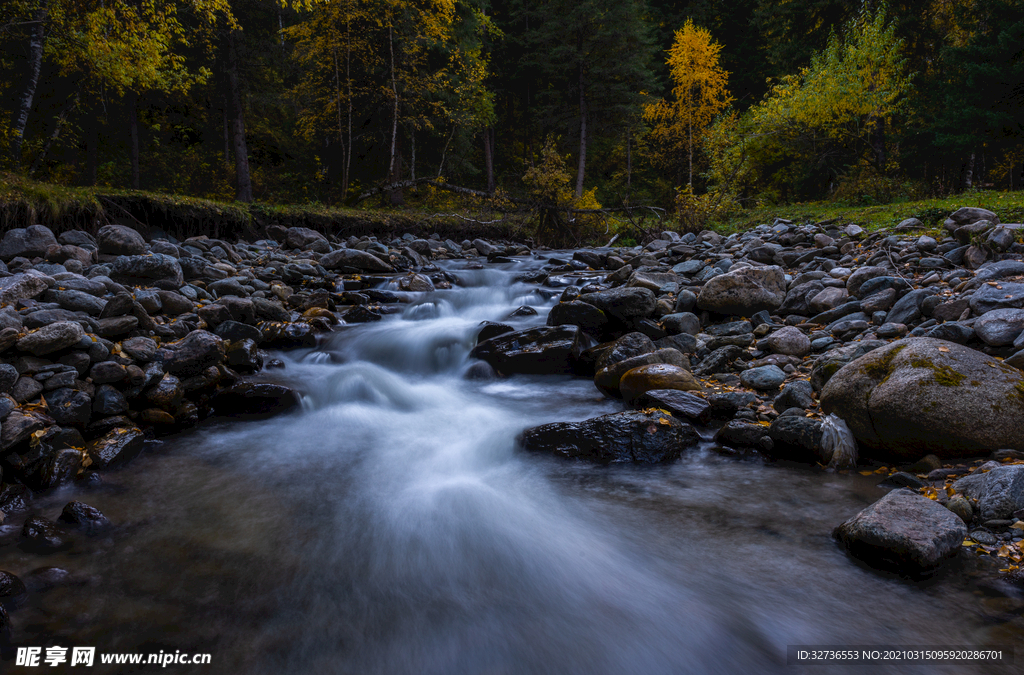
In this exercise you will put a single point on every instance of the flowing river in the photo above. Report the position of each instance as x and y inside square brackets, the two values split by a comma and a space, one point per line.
[392, 526]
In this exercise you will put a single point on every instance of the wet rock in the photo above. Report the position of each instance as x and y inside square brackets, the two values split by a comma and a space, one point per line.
[798, 394]
[19, 426]
[584, 315]
[904, 532]
[8, 376]
[681, 323]
[303, 238]
[13, 592]
[233, 331]
[244, 356]
[622, 303]
[740, 434]
[84, 517]
[43, 535]
[189, 356]
[255, 400]
[632, 436]
[1000, 327]
[919, 396]
[999, 492]
[69, 407]
[51, 338]
[639, 380]
[626, 347]
[116, 448]
[607, 379]
[120, 240]
[141, 349]
[119, 305]
[764, 378]
[744, 291]
[718, 361]
[796, 438]
[959, 505]
[167, 393]
[543, 350]
[681, 404]
[109, 401]
[1004, 295]
[287, 335]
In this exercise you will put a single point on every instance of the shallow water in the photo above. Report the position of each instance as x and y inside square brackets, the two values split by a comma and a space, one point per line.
[392, 526]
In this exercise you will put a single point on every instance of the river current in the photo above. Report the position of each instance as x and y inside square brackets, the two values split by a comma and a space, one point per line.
[392, 526]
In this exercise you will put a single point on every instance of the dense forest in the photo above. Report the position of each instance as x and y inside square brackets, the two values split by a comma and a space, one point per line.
[697, 106]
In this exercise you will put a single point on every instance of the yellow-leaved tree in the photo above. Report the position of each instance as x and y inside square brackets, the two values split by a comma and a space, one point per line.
[699, 94]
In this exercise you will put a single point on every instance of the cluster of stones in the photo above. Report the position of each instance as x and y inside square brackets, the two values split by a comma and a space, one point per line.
[109, 340]
[915, 341]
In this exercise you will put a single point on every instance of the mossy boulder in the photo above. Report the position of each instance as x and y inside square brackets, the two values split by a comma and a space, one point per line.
[922, 396]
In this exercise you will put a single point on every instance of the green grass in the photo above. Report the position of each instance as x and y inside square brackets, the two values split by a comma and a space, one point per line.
[1009, 206]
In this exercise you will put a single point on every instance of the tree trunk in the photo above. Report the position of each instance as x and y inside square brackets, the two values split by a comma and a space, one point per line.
[489, 160]
[878, 144]
[629, 163]
[348, 94]
[92, 150]
[243, 189]
[689, 148]
[581, 168]
[227, 131]
[28, 92]
[969, 173]
[392, 161]
[133, 137]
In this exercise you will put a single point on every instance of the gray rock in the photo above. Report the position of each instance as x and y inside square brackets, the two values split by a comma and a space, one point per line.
[8, 376]
[765, 378]
[999, 492]
[919, 396]
[744, 291]
[547, 349]
[681, 322]
[575, 313]
[120, 240]
[77, 301]
[623, 303]
[907, 309]
[1004, 295]
[904, 532]
[798, 394]
[740, 434]
[21, 286]
[26, 242]
[796, 438]
[51, 338]
[632, 436]
[1000, 326]
[354, 259]
[787, 340]
[303, 237]
[69, 407]
[148, 270]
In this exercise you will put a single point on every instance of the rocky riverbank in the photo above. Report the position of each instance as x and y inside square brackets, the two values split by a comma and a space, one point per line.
[107, 341]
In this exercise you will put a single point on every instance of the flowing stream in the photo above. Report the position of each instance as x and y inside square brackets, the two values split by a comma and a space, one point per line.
[392, 526]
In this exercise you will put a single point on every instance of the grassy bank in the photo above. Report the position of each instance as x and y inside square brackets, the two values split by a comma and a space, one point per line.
[24, 202]
[1009, 206]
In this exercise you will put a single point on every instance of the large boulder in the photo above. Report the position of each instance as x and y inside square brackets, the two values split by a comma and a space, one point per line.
[632, 436]
[353, 259]
[623, 303]
[999, 492]
[26, 242]
[543, 350]
[575, 313]
[191, 355]
[156, 269]
[642, 379]
[1000, 327]
[903, 532]
[120, 240]
[51, 338]
[744, 291]
[21, 286]
[922, 396]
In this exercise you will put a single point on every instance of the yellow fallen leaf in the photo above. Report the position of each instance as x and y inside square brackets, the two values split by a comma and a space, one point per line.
[1019, 525]
[967, 542]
